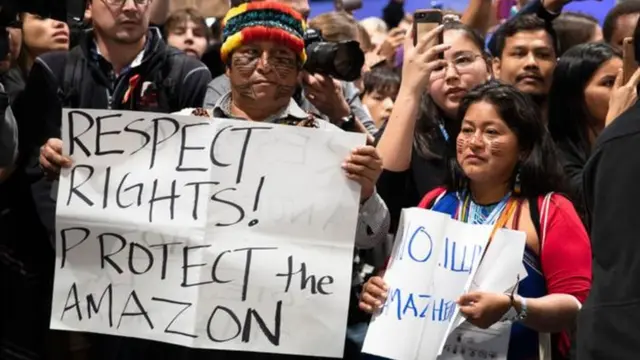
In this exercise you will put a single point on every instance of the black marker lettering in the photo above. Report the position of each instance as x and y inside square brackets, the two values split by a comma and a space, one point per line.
[196, 196]
[73, 292]
[132, 255]
[105, 190]
[165, 256]
[273, 337]
[247, 267]
[141, 310]
[316, 286]
[119, 192]
[186, 265]
[92, 307]
[215, 267]
[232, 316]
[256, 200]
[100, 134]
[186, 305]
[73, 188]
[156, 131]
[322, 282]
[73, 117]
[106, 258]
[184, 148]
[64, 240]
[147, 137]
[240, 210]
[171, 197]
[245, 146]
[212, 155]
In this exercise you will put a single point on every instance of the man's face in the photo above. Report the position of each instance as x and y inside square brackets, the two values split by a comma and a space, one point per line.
[122, 21]
[527, 62]
[264, 71]
[624, 27]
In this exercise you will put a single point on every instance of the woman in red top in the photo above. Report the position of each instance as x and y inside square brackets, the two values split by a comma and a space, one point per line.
[505, 173]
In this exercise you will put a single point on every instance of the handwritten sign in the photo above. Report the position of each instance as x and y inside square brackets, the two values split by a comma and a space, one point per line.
[501, 261]
[214, 234]
[434, 261]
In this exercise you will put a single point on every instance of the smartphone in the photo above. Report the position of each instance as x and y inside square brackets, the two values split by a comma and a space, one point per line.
[629, 64]
[425, 21]
[348, 5]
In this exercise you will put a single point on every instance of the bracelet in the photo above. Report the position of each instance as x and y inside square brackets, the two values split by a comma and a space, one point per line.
[522, 315]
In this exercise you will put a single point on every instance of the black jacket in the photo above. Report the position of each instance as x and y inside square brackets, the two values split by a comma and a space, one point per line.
[406, 189]
[608, 323]
[38, 108]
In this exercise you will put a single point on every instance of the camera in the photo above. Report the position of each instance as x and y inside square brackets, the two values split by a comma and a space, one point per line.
[339, 60]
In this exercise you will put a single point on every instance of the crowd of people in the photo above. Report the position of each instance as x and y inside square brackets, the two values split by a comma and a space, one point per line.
[522, 117]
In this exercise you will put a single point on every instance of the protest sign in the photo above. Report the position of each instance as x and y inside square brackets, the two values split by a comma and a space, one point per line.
[434, 261]
[206, 233]
[495, 274]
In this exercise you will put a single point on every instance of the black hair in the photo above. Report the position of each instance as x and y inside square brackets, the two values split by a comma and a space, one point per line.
[611, 20]
[529, 22]
[539, 169]
[472, 34]
[569, 120]
[430, 116]
[381, 78]
[573, 28]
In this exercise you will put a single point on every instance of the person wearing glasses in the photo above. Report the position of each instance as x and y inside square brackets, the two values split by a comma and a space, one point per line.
[413, 142]
[121, 63]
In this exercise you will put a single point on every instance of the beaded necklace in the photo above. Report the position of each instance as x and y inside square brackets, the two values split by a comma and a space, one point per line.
[495, 214]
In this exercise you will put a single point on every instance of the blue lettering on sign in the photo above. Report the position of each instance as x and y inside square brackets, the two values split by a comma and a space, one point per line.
[461, 258]
[420, 236]
[413, 305]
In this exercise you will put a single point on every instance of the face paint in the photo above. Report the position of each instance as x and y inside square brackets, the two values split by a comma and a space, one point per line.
[252, 65]
[245, 63]
[496, 147]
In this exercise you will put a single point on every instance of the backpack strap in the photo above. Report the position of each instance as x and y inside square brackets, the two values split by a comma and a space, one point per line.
[535, 216]
[69, 91]
[540, 217]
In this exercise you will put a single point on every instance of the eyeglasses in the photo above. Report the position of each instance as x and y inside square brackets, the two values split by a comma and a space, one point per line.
[462, 63]
[122, 2]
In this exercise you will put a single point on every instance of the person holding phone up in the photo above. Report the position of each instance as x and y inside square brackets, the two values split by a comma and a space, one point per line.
[413, 142]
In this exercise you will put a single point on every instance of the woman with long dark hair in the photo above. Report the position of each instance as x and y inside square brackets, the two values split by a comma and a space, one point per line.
[581, 105]
[505, 173]
[413, 142]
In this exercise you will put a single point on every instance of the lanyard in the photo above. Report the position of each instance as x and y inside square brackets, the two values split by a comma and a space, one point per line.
[498, 216]
[443, 131]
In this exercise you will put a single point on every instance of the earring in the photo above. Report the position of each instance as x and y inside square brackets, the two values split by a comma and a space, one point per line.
[517, 186]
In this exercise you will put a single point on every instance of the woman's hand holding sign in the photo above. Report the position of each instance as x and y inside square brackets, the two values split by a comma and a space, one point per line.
[484, 309]
[374, 294]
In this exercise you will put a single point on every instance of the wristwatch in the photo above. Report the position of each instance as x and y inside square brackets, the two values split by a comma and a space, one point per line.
[348, 123]
[522, 315]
